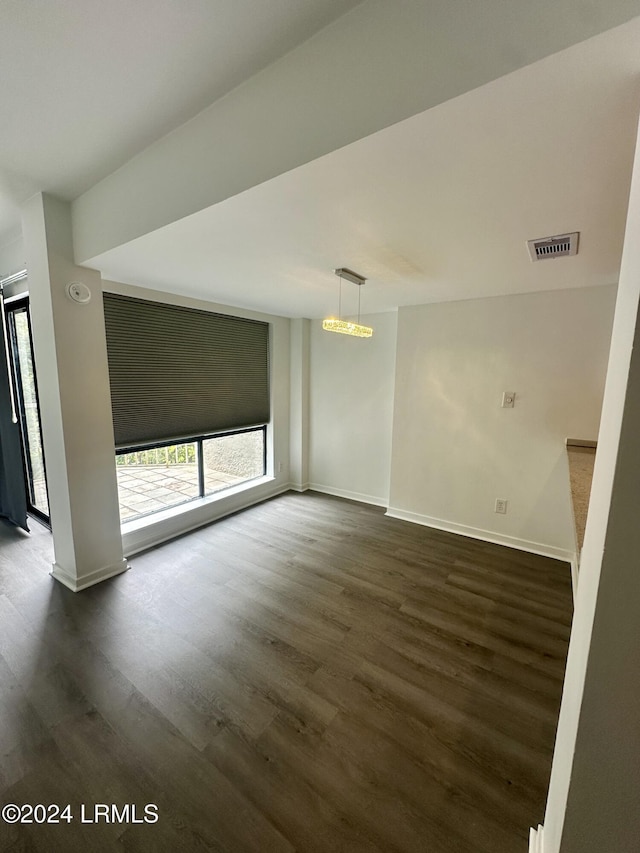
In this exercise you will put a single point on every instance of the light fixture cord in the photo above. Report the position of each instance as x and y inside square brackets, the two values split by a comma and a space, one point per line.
[359, 289]
[340, 298]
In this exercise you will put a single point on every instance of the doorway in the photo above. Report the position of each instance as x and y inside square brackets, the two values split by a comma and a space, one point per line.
[26, 396]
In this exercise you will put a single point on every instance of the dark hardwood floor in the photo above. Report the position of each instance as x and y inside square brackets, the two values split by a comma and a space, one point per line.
[305, 675]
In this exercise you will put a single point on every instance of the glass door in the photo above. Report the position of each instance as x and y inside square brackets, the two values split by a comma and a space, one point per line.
[19, 325]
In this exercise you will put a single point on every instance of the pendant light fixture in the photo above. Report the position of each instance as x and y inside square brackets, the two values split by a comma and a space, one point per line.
[344, 327]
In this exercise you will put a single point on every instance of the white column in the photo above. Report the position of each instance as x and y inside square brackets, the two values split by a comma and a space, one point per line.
[299, 404]
[594, 793]
[75, 403]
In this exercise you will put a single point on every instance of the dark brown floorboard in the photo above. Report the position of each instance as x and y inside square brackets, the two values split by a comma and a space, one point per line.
[307, 675]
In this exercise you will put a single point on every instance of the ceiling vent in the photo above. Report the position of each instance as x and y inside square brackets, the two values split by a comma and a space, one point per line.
[554, 247]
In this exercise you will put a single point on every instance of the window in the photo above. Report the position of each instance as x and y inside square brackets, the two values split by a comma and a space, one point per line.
[189, 396]
[151, 479]
[231, 459]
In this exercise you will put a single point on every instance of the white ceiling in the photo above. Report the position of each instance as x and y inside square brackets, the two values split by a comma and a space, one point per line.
[86, 84]
[437, 207]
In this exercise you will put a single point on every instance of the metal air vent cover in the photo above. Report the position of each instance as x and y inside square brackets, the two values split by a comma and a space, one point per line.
[559, 246]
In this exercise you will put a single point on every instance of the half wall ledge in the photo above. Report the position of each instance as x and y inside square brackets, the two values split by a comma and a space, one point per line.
[581, 455]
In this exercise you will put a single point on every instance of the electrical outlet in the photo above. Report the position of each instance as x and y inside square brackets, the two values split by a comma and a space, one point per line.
[279, 467]
[501, 506]
[508, 399]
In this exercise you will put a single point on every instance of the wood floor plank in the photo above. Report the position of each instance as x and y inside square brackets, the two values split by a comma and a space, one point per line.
[495, 591]
[390, 773]
[459, 726]
[488, 672]
[311, 822]
[388, 822]
[306, 675]
[487, 783]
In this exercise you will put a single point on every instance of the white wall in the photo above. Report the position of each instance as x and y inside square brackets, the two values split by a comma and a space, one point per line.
[351, 410]
[12, 257]
[455, 450]
[299, 404]
[595, 778]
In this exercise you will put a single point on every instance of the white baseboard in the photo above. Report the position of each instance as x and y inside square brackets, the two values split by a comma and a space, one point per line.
[536, 839]
[299, 487]
[343, 493]
[484, 535]
[575, 561]
[76, 584]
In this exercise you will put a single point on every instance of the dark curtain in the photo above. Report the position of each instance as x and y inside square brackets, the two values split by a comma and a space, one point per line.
[13, 496]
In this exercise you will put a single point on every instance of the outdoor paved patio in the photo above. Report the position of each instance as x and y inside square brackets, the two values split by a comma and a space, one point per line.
[143, 489]
[40, 498]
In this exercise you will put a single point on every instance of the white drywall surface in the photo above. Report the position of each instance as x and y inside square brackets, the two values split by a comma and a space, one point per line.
[351, 409]
[595, 778]
[455, 449]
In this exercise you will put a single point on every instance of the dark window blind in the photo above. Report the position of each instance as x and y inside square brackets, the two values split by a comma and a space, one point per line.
[177, 372]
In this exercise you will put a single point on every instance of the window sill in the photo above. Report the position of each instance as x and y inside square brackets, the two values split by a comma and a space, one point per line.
[142, 533]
